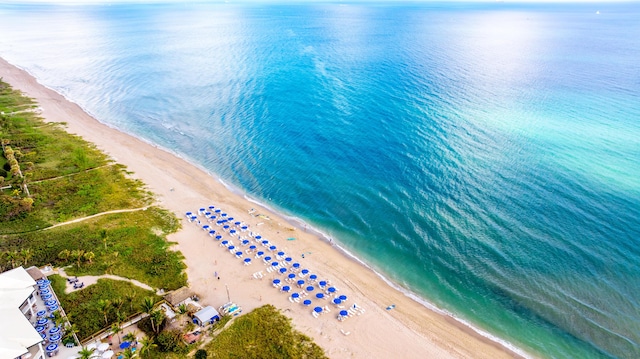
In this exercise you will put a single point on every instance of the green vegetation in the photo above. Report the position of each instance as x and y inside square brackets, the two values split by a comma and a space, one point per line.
[263, 333]
[100, 305]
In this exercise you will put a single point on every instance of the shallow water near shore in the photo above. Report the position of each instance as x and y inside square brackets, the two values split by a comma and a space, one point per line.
[484, 157]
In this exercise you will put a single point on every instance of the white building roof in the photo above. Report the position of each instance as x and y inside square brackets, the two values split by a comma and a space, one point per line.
[17, 334]
[206, 313]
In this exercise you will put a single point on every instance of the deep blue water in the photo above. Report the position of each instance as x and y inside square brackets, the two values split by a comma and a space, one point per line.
[484, 156]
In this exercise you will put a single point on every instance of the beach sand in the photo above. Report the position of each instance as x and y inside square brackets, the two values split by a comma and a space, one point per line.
[410, 330]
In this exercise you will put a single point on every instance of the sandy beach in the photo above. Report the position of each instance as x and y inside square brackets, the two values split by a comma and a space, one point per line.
[410, 330]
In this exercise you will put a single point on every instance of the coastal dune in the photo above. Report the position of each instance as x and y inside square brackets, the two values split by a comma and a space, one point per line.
[409, 330]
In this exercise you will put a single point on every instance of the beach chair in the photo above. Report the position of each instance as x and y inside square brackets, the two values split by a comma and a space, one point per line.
[315, 315]
[326, 309]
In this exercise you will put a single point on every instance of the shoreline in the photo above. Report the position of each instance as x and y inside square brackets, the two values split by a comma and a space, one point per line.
[412, 329]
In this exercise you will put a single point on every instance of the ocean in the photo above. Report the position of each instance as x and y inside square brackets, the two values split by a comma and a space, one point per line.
[484, 157]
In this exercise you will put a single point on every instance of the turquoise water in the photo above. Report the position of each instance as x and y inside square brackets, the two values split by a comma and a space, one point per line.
[482, 156]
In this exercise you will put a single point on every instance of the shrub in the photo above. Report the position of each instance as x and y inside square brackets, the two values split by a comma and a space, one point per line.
[171, 341]
[201, 354]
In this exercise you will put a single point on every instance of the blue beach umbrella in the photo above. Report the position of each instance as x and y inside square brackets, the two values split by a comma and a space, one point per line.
[233, 231]
[50, 302]
[54, 330]
[322, 283]
[288, 259]
[211, 208]
[236, 223]
[296, 265]
[319, 295]
[275, 264]
[224, 243]
[276, 281]
[40, 329]
[244, 228]
[55, 338]
[336, 301]
[300, 283]
[45, 290]
[343, 297]
[218, 237]
[224, 215]
[344, 313]
[265, 242]
[331, 289]
[226, 226]
[51, 347]
[260, 254]
[218, 210]
[252, 247]
[317, 309]
[206, 226]
[125, 345]
[305, 271]
[247, 260]
[53, 308]
[42, 321]
[281, 253]
[245, 242]
[310, 288]
[272, 248]
[232, 248]
[283, 270]
[41, 313]
[258, 237]
[295, 295]
[291, 275]
[212, 232]
[307, 302]
[286, 288]
[202, 209]
[313, 277]
[230, 219]
[239, 254]
[267, 258]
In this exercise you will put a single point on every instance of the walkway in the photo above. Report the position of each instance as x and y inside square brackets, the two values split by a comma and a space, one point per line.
[97, 215]
[92, 279]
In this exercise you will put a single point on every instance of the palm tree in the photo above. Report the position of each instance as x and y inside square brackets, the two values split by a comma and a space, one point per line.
[104, 305]
[64, 255]
[77, 255]
[116, 329]
[130, 295]
[148, 303]
[89, 256]
[86, 353]
[26, 255]
[117, 304]
[129, 337]
[147, 345]
[104, 237]
[129, 353]
[12, 256]
[158, 317]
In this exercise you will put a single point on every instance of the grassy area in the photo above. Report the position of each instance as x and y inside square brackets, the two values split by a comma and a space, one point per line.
[83, 306]
[130, 245]
[263, 333]
[67, 177]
